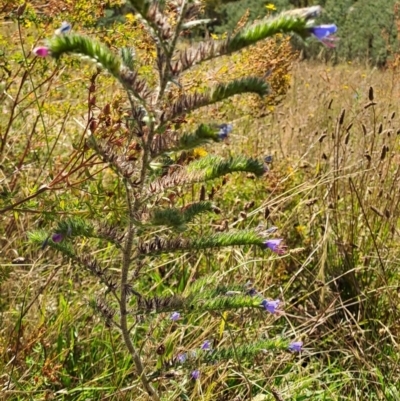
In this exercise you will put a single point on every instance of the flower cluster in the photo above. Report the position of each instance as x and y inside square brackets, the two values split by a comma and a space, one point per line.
[295, 347]
[183, 357]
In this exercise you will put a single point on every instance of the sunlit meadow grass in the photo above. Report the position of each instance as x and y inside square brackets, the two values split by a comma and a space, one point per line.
[332, 189]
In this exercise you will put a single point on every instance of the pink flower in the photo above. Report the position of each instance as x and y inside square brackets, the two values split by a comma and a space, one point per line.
[41, 51]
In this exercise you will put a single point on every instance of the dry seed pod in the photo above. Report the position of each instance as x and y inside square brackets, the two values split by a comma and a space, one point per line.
[243, 215]
[368, 105]
[202, 193]
[212, 193]
[107, 109]
[216, 210]
[92, 126]
[161, 349]
[364, 129]
[248, 205]
[341, 118]
[384, 151]
[371, 94]
[377, 211]
[311, 201]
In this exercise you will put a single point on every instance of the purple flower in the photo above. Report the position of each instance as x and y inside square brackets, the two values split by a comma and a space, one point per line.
[195, 374]
[276, 245]
[64, 28]
[295, 346]
[271, 306]
[324, 34]
[206, 346]
[57, 237]
[175, 316]
[41, 51]
[181, 358]
[224, 130]
[268, 159]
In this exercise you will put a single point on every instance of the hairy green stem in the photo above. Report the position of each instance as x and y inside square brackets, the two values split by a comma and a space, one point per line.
[126, 262]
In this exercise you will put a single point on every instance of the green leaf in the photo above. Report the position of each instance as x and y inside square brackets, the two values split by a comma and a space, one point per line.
[214, 166]
[74, 43]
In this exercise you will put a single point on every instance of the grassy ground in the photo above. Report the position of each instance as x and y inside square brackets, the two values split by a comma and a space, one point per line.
[332, 189]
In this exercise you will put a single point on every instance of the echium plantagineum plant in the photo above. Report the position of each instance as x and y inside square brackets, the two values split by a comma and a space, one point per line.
[153, 116]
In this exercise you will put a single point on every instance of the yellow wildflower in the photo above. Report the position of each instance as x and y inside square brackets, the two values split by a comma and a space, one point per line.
[199, 153]
[130, 17]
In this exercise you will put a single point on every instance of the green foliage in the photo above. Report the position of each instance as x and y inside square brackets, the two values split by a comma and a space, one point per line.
[229, 14]
[261, 30]
[245, 85]
[367, 30]
[201, 136]
[158, 245]
[85, 46]
[214, 166]
[178, 218]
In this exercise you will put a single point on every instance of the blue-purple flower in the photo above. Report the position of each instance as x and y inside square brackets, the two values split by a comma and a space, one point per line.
[295, 346]
[324, 33]
[64, 28]
[206, 346]
[268, 159]
[271, 306]
[57, 237]
[224, 130]
[175, 316]
[195, 374]
[181, 358]
[276, 245]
